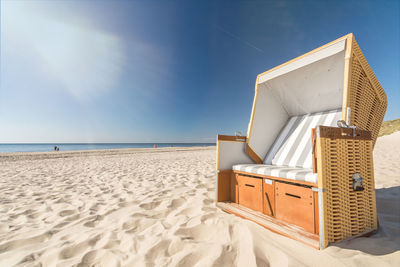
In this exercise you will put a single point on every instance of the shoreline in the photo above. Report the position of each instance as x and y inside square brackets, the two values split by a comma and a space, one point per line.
[5, 156]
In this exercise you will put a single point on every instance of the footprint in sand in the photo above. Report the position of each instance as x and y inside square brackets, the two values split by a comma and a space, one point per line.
[208, 201]
[209, 218]
[99, 257]
[177, 202]
[30, 259]
[139, 215]
[94, 221]
[190, 212]
[61, 225]
[228, 254]
[150, 205]
[129, 225]
[28, 212]
[66, 213]
[138, 225]
[74, 250]
[191, 259]
[14, 244]
[206, 209]
[158, 251]
[112, 244]
[162, 214]
[72, 218]
[199, 232]
[96, 206]
[34, 215]
[128, 203]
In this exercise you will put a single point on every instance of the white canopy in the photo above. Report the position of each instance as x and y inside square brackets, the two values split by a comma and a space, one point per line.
[311, 83]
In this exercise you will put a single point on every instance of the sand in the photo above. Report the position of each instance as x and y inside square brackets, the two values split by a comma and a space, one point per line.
[155, 207]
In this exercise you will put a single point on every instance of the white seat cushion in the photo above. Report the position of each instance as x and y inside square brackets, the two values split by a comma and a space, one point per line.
[293, 146]
[298, 174]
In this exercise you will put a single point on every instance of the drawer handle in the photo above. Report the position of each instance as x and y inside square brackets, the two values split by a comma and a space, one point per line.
[291, 195]
[249, 185]
[269, 204]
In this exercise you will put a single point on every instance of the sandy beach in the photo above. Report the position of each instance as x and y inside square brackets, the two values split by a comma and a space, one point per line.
[155, 207]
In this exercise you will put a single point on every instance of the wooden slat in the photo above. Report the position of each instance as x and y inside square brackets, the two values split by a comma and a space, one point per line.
[249, 150]
[253, 155]
[316, 213]
[271, 224]
[343, 133]
[347, 71]
[313, 143]
[234, 138]
[234, 189]
[224, 185]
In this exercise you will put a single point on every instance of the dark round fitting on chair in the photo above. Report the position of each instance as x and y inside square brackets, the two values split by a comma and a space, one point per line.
[358, 182]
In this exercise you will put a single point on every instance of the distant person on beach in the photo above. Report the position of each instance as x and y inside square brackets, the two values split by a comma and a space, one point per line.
[155, 146]
[55, 148]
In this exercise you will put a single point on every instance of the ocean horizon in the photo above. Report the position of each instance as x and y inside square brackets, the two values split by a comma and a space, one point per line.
[43, 147]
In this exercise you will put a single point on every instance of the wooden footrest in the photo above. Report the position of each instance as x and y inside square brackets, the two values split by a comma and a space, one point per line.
[270, 223]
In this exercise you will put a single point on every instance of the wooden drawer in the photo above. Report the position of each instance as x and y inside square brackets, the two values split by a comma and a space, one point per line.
[269, 197]
[250, 192]
[295, 204]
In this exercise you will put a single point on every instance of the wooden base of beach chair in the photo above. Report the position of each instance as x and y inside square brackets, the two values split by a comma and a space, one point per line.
[279, 204]
[334, 210]
[272, 224]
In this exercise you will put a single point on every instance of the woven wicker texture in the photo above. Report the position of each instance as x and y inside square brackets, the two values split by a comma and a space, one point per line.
[347, 213]
[367, 99]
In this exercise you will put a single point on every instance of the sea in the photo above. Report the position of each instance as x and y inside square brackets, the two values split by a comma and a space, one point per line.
[8, 148]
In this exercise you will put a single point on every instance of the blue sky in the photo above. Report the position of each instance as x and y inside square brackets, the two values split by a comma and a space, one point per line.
[157, 71]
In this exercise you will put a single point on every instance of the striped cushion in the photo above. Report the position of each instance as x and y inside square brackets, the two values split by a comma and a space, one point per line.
[293, 146]
[298, 174]
[290, 126]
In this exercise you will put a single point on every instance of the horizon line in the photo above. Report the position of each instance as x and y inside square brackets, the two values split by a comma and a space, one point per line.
[96, 143]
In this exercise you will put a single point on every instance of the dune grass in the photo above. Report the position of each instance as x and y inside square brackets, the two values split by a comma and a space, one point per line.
[389, 127]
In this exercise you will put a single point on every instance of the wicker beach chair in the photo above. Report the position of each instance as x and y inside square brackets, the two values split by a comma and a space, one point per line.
[305, 168]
